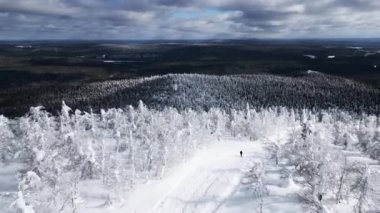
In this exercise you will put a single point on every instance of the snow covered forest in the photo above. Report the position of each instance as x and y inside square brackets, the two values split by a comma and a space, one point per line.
[189, 106]
[61, 159]
[311, 89]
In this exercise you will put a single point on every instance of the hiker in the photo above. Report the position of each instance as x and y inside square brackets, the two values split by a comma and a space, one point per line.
[320, 197]
[241, 153]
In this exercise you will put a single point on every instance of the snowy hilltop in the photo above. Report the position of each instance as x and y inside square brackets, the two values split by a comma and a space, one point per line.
[201, 92]
[146, 160]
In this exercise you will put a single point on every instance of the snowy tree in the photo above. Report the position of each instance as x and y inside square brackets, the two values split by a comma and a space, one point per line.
[260, 190]
[363, 188]
[8, 145]
[21, 205]
[342, 181]
[373, 148]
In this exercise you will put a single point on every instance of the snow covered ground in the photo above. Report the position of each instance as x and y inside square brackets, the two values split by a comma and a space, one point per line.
[8, 184]
[150, 161]
[215, 179]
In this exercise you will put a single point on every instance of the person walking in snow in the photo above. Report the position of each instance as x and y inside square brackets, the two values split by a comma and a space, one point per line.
[241, 153]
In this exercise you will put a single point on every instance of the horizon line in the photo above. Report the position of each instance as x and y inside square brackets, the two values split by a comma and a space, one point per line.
[208, 39]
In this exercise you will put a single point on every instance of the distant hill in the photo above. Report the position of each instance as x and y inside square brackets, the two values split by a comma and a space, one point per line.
[28, 63]
[311, 90]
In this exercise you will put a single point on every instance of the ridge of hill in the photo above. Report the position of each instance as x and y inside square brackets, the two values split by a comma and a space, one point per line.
[312, 90]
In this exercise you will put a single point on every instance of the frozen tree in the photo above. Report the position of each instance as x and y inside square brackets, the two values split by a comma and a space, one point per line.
[9, 146]
[342, 181]
[311, 161]
[28, 192]
[257, 173]
[363, 188]
[21, 205]
[373, 148]
[274, 149]
[365, 132]
[217, 122]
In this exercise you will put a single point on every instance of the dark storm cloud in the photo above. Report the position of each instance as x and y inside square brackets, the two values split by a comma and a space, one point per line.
[166, 19]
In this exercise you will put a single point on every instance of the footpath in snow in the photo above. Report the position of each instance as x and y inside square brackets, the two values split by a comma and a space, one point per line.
[215, 179]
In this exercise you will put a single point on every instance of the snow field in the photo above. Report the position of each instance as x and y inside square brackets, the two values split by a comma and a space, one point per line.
[215, 179]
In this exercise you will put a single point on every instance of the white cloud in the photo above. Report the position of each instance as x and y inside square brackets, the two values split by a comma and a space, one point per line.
[151, 19]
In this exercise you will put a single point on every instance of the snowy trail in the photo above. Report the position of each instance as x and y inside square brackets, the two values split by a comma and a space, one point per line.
[213, 181]
[210, 182]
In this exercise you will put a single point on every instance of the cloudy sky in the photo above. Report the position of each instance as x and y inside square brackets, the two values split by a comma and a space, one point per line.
[188, 19]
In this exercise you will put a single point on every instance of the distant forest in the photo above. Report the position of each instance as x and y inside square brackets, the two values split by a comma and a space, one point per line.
[26, 63]
[313, 74]
[311, 90]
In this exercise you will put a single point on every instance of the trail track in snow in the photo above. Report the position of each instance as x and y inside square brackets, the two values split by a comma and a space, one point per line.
[215, 180]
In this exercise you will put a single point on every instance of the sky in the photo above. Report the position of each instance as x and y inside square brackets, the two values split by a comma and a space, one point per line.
[188, 19]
